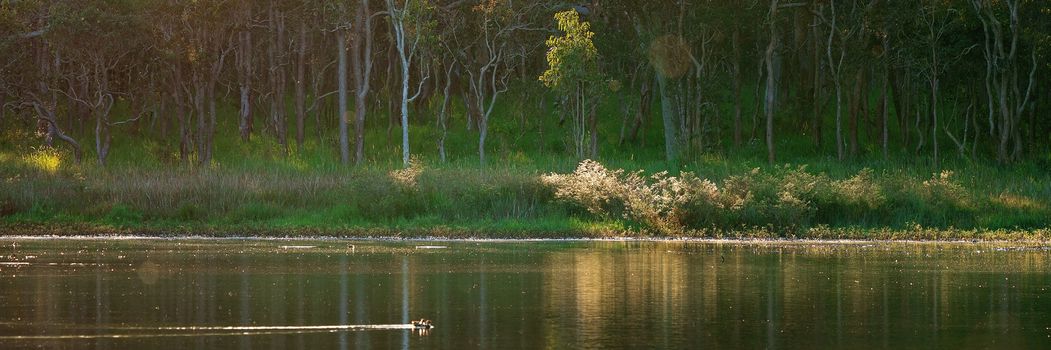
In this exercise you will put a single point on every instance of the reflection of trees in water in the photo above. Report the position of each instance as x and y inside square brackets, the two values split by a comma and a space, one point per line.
[612, 293]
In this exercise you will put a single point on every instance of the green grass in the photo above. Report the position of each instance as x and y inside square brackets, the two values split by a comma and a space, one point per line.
[456, 201]
[256, 188]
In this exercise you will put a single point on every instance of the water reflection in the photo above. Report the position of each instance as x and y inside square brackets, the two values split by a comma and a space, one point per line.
[135, 294]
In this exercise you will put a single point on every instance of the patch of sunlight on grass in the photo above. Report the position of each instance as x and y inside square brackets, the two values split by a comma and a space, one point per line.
[1014, 201]
[44, 159]
[597, 226]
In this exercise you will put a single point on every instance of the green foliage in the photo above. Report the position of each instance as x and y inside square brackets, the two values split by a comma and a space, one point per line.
[786, 200]
[572, 57]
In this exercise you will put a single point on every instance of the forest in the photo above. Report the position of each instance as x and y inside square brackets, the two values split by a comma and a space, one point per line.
[783, 115]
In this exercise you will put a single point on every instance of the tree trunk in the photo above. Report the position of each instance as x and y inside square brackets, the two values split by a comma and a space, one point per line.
[736, 67]
[483, 131]
[645, 102]
[839, 118]
[771, 83]
[934, 118]
[244, 71]
[855, 110]
[817, 87]
[209, 136]
[341, 52]
[671, 122]
[199, 108]
[443, 114]
[404, 110]
[48, 116]
[277, 76]
[901, 106]
[102, 137]
[185, 135]
[301, 98]
[884, 111]
[593, 126]
[362, 63]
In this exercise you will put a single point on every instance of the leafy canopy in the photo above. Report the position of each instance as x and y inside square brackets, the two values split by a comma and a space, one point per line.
[572, 57]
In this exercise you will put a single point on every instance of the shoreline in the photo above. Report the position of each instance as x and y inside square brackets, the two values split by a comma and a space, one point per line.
[822, 235]
[386, 239]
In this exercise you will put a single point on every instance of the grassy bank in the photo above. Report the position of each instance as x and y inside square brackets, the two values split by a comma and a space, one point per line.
[44, 194]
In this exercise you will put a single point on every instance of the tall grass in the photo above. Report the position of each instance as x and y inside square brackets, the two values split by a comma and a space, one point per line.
[593, 200]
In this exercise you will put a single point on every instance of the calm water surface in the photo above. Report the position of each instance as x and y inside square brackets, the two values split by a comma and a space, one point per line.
[209, 294]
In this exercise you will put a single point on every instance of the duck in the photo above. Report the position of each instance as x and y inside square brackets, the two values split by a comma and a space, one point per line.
[422, 323]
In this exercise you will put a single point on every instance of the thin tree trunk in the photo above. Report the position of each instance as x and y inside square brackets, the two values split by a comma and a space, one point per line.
[301, 98]
[771, 80]
[671, 122]
[244, 71]
[884, 108]
[593, 126]
[645, 102]
[209, 136]
[483, 132]
[817, 101]
[199, 109]
[404, 110]
[901, 106]
[341, 52]
[185, 142]
[736, 67]
[54, 130]
[934, 118]
[277, 77]
[362, 63]
[839, 119]
[443, 114]
[855, 109]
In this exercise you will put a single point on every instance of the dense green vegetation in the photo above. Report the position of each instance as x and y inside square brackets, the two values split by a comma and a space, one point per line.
[44, 192]
[812, 119]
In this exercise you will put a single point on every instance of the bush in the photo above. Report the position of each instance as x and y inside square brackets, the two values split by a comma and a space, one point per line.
[667, 204]
[785, 200]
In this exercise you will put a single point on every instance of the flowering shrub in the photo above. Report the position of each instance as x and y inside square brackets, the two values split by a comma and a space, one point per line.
[591, 186]
[784, 199]
[942, 188]
[666, 203]
[408, 176]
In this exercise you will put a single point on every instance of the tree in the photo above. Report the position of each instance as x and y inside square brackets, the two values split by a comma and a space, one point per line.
[245, 66]
[1007, 92]
[410, 23]
[341, 81]
[210, 42]
[361, 58]
[772, 76]
[491, 59]
[96, 38]
[573, 69]
[835, 61]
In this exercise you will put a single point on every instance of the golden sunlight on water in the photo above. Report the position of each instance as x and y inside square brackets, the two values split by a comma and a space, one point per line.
[161, 294]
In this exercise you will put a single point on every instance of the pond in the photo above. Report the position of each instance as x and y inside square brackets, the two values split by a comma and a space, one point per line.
[272, 294]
